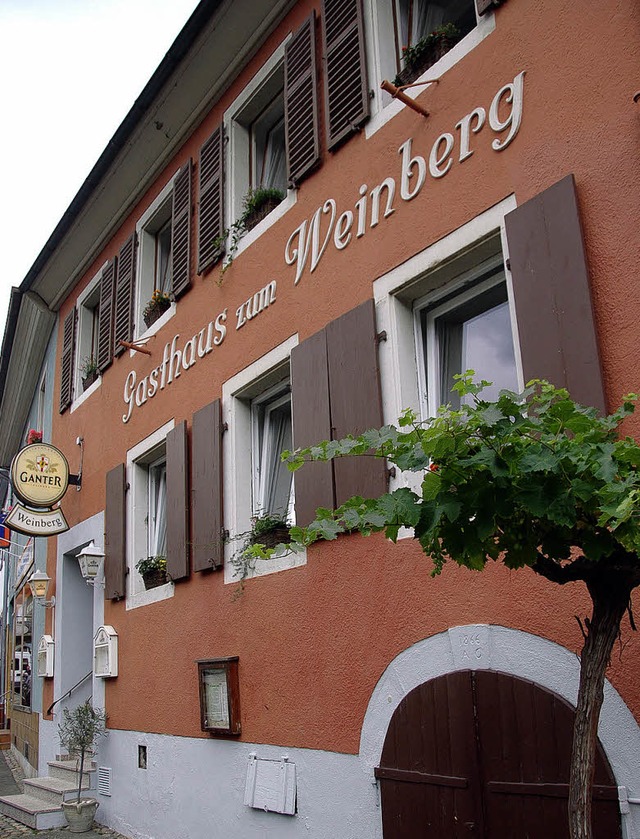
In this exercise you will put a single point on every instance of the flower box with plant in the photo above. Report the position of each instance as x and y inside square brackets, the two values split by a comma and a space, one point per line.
[89, 371]
[256, 205]
[34, 436]
[79, 732]
[269, 530]
[153, 571]
[156, 307]
[425, 52]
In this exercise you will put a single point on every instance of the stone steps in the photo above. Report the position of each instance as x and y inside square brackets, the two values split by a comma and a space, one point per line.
[40, 805]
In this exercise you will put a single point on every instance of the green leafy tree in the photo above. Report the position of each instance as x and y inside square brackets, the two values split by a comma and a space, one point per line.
[530, 480]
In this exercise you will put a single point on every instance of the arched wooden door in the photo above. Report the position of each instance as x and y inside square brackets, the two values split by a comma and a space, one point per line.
[484, 755]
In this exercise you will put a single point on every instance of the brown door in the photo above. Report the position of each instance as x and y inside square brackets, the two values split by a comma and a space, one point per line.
[481, 754]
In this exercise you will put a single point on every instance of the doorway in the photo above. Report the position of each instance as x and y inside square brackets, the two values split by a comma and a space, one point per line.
[486, 755]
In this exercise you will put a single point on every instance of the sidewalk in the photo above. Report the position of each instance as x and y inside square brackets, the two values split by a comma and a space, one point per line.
[11, 778]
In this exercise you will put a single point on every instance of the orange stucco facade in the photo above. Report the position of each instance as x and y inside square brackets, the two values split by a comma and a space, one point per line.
[356, 603]
[314, 641]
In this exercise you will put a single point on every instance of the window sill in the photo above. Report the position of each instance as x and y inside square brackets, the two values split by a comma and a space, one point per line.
[157, 325]
[282, 561]
[153, 595]
[387, 107]
[86, 394]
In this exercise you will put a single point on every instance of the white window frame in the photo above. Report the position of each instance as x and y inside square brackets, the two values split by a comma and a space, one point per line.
[381, 59]
[84, 330]
[395, 295]
[238, 393]
[146, 260]
[237, 174]
[139, 459]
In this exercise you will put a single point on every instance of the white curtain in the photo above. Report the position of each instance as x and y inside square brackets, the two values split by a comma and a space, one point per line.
[275, 477]
[158, 510]
[274, 172]
[424, 17]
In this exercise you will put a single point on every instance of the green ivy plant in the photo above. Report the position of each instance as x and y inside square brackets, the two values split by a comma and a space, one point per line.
[532, 480]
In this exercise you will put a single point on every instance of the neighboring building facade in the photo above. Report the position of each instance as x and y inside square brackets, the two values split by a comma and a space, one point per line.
[497, 233]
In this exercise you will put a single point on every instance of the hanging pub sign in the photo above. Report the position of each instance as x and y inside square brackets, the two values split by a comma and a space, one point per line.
[40, 478]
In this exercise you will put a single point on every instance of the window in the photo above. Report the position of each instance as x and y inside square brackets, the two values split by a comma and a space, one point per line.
[416, 19]
[468, 329]
[87, 336]
[256, 406]
[256, 130]
[147, 513]
[271, 432]
[392, 25]
[21, 678]
[154, 257]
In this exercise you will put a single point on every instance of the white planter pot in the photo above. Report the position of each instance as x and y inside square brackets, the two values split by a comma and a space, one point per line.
[80, 815]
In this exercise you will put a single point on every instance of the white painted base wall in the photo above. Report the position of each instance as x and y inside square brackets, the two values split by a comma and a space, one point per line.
[194, 789]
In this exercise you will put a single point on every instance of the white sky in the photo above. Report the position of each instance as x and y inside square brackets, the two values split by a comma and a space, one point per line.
[69, 72]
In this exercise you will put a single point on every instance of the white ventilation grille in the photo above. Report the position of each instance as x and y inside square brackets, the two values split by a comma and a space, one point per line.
[104, 780]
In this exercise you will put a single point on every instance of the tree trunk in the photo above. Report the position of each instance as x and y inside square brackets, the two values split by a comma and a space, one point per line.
[610, 595]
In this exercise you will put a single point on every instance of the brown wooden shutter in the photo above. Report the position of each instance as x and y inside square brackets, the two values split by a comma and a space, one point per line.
[181, 232]
[484, 6]
[115, 558]
[356, 401]
[123, 315]
[311, 424]
[206, 504]
[177, 503]
[345, 78]
[301, 102]
[105, 316]
[66, 372]
[557, 334]
[211, 200]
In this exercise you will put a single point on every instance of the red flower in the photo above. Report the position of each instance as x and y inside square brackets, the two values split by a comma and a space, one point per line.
[433, 467]
[34, 436]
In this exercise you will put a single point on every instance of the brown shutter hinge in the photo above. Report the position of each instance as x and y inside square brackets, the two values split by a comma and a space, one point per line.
[381, 336]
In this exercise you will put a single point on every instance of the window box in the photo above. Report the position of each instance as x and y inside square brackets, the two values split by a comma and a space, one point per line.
[255, 215]
[153, 570]
[269, 531]
[426, 52]
[155, 308]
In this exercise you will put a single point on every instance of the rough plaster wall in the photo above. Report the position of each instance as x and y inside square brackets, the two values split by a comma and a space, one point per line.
[194, 788]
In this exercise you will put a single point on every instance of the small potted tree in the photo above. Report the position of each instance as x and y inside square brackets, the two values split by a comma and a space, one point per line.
[79, 732]
[89, 371]
[153, 571]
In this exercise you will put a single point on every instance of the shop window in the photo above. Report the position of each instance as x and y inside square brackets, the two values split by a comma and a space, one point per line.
[467, 329]
[22, 655]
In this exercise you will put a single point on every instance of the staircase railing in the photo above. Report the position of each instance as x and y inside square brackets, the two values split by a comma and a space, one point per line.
[69, 692]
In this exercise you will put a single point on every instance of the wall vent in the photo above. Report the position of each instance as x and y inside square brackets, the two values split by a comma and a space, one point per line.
[104, 780]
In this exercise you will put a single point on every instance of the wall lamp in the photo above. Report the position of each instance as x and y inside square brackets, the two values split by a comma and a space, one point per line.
[89, 559]
[39, 584]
